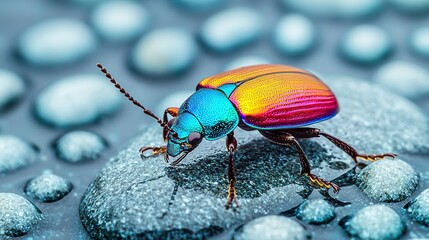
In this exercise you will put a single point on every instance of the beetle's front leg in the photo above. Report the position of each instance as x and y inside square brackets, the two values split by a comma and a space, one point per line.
[231, 145]
[172, 111]
[155, 151]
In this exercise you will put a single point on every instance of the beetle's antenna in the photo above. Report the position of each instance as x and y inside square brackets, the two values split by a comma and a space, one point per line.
[122, 90]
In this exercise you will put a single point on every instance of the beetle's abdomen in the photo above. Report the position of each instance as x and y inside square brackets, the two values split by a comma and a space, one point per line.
[213, 110]
[284, 100]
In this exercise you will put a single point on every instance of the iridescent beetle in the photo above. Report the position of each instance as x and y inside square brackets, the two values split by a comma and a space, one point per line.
[276, 100]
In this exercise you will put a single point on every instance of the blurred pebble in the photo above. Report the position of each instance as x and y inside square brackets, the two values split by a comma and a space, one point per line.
[347, 9]
[419, 208]
[366, 44]
[374, 222]
[272, 227]
[17, 215]
[15, 153]
[48, 187]
[404, 78]
[232, 28]
[120, 21]
[245, 61]
[164, 52]
[12, 88]
[419, 41]
[411, 6]
[199, 5]
[316, 211]
[173, 100]
[86, 3]
[77, 100]
[388, 180]
[79, 146]
[55, 42]
[294, 35]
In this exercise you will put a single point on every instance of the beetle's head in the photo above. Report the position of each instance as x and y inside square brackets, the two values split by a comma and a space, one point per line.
[186, 136]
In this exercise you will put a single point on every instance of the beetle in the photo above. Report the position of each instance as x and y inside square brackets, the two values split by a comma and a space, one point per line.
[276, 100]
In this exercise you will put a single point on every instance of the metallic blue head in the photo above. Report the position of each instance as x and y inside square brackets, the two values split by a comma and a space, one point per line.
[187, 134]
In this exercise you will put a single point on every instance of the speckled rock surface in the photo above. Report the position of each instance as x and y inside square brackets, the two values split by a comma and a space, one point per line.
[419, 208]
[316, 211]
[17, 215]
[136, 198]
[48, 187]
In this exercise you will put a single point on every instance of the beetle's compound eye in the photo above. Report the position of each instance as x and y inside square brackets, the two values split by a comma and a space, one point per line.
[195, 138]
[171, 122]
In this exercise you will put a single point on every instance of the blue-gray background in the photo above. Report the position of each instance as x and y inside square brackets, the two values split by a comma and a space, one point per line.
[18, 15]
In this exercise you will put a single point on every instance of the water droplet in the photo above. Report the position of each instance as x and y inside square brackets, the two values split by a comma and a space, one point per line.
[315, 211]
[18, 215]
[407, 79]
[79, 146]
[77, 100]
[245, 61]
[366, 44]
[231, 29]
[419, 41]
[374, 222]
[55, 42]
[271, 227]
[388, 180]
[12, 88]
[294, 35]
[15, 153]
[48, 187]
[120, 21]
[164, 52]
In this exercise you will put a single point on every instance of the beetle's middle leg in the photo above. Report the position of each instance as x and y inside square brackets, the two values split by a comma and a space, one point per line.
[315, 132]
[285, 138]
[231, 145]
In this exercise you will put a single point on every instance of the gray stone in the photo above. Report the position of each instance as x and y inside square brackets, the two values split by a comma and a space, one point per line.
[15, 153]
[388, 181]
[78, 146]
[316, 211]
[374, 222]
[48, 187]
[17, 215]
[77, 100]
[135, 198]
[419, 208]
[419, 41]
[272, 228]
[12, 88]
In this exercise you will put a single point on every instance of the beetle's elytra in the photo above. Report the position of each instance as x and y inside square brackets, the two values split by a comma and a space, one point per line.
[276, 100]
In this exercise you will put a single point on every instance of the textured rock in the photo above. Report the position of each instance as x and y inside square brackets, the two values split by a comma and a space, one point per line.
[315, 211]
[12, 88]
[15, 153]
[388, 181]
[374, 222]
[18, 216]
[405, 78]
[134, 198]
[79, 146]
[120, 21]
[294, 35]
[419, 208]
[273, 228]
[164, 52]
[366, 44]
[230, 29]
[55, 42]
[48, 187]
[77, 100]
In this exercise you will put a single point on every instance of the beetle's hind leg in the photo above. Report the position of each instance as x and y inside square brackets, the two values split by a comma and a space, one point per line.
[315, 132]
[285, 138]
[231, 145]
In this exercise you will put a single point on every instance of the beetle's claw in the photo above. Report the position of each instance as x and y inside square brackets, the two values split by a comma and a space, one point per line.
[232, 193]
[374, 157]
[323, 183]
[155, 151]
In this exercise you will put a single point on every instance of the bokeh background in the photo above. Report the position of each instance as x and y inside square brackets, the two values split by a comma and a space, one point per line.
[160, 49]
